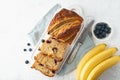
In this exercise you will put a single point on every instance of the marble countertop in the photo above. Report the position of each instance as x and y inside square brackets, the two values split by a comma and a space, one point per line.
[18, 17]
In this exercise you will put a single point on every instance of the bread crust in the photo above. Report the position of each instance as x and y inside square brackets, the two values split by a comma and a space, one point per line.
[62, 15]
[63, 18]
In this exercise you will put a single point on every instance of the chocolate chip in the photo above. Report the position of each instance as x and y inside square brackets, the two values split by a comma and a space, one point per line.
[26, 62]
[48, 41]
[43, 40]
[54, 49]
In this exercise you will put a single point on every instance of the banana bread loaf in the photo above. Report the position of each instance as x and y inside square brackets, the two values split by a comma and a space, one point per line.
[62, 29]
[64, 24]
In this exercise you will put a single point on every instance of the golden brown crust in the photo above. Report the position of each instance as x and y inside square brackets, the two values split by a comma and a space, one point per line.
[62, 15]
[72, 34]
[59, 24]
[64, 24]
[43, 69]
[72, 38]
[47, 61]
[66, 30]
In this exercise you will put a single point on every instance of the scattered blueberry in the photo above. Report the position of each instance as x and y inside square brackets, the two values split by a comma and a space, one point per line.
[43, 40]
[102, 30]
[28, 44]
[24, 49]
[26, 62]
[30, 49]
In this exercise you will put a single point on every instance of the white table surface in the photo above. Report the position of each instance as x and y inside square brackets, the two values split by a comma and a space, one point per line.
[18, 17]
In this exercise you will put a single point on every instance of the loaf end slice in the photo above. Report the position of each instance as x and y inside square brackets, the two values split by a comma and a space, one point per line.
[48, 62]
[42, 69]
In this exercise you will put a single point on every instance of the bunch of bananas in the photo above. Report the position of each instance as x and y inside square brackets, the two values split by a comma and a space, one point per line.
[96, 61]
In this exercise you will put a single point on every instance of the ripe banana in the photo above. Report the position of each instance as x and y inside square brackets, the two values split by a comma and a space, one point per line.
[100, 68]
[94, 61]
[99, 48]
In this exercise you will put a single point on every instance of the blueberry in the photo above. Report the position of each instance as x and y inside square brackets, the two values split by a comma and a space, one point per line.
[98, 24]
[24, 49]
[30, 49]
[100, 36]
[53, 71]
[97, 35]
[96, 32]
[106, 25]
[43, 40]
[28, 44]
[103, 34]
[98, 27]
[102, 28]
[101, 24]
[106, 29]
[109, 30]
[48, 41]
[100, 31]
[26, 62]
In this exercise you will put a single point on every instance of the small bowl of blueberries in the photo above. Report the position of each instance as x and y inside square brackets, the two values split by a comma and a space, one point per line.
[101, 31]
